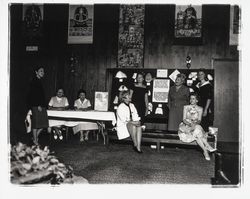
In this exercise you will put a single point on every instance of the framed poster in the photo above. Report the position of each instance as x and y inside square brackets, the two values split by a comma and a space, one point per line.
[80, 24]
[188, 24]
[32, 25]
[160, 90]
[101, 101]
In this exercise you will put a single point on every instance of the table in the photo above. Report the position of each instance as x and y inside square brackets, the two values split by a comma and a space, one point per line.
[71, 118]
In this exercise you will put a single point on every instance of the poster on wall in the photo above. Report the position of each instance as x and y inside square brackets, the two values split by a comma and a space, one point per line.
[101, 101]
[80, 24]
[188, 21]
[234, 25]
[160, 90]
[131, 36]
[32, 20]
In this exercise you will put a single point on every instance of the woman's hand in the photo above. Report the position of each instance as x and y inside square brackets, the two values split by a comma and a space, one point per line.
[204, 113]
[39, 108]
[136, 123]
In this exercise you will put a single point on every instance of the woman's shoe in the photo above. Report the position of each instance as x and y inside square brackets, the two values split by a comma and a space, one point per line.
[60, 135]
[86, 138]
[206, 155]
[211, 149]
[135, 148]
[138, 151]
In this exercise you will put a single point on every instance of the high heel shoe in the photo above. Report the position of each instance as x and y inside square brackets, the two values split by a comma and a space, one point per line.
[206, 155]
[134, 148]
[139, 151]
[211, 149]
[60, 135]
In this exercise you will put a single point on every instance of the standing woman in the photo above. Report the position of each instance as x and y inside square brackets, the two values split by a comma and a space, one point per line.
[36, 103]
[178, 97]
[205, 92]
[139, 97]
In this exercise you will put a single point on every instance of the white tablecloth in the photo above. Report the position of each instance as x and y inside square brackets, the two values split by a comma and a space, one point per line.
[69, 117]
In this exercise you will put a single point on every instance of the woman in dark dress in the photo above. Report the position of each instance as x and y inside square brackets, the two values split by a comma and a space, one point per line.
[36, 103]
[178, 97]
[205, 92]
[139, 97]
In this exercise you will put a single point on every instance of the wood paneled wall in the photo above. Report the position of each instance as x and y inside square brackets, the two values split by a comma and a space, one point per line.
[54, 52]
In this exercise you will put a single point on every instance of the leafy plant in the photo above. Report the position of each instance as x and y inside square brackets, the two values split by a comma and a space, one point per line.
[35, 165]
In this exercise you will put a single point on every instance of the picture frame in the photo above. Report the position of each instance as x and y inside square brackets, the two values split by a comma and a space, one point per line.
[101, 101]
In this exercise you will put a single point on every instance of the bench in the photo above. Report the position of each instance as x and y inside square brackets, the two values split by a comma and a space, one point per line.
[159, 137]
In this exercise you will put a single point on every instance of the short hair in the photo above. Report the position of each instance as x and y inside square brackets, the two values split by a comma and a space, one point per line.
[60, 87]
[123, 95]
[182, 76]
[204, 71]
[81, 91]
[195, 94]
[140, 73]
[37, 67]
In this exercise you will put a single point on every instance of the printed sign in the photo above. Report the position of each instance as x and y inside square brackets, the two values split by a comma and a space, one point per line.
[160, 90]
[80, 25]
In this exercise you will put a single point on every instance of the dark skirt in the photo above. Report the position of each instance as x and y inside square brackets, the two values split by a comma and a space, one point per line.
[39, 118]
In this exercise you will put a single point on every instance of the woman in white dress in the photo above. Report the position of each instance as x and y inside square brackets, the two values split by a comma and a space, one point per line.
[83, 104]
[59, 103]
[128, 121]
[190, 129]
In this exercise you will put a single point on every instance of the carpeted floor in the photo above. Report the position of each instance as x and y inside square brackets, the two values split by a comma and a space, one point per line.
[120, 164]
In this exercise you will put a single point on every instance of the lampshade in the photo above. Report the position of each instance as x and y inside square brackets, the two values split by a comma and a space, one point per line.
[120, 75]
[123, 88]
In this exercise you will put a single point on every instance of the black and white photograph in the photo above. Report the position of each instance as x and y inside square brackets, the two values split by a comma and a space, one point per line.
[139, 99]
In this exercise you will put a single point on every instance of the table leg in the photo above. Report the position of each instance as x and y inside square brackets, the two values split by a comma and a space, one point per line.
[101, 124]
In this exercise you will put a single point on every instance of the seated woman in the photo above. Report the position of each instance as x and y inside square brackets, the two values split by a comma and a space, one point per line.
[190, 129]
[58, 102]
[83, 104]
[128, 121]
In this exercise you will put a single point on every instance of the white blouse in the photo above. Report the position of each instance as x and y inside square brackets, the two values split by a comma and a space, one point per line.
[123, 117]
[58, 102]
[79, 104]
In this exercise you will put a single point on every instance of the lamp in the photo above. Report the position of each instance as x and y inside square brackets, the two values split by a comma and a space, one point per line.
[120, 75]
[188, 62]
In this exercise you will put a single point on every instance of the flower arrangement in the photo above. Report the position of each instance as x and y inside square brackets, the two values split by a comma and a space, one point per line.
[31, 165]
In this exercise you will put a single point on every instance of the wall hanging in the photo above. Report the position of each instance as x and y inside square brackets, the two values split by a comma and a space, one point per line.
[32, 25]
[131, 36]
[80, 24]
[188, 24]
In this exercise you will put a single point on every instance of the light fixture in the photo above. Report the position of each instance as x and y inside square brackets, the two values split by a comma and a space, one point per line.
[188, 62]
[120, 75]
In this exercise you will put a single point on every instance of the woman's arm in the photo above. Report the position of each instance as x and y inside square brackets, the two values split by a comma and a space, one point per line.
[185, 119]
[146, 103]
[200, 112]
[206, 107]
[131, 93]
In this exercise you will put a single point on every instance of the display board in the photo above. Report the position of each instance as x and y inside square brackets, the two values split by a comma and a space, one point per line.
[157, 81]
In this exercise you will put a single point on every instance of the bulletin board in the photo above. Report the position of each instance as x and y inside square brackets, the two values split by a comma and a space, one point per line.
[157, 81]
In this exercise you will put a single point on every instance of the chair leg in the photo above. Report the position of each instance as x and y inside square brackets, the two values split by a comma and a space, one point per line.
[66, 134]
[158, 146]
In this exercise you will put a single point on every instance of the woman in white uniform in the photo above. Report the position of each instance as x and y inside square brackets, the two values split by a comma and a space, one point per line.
[83, 104]
[59, 103]
[128, 121]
